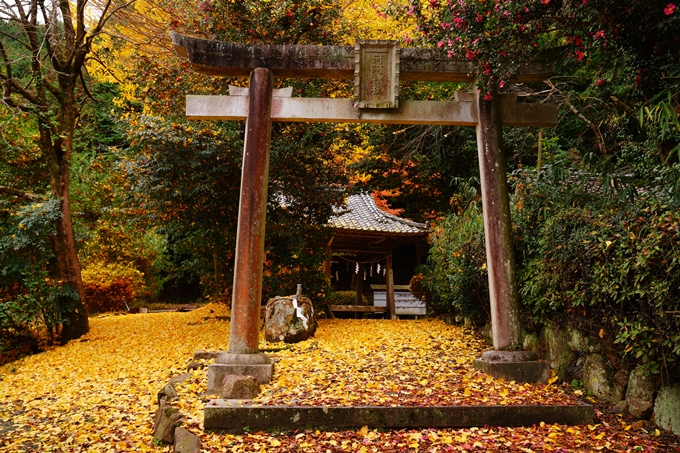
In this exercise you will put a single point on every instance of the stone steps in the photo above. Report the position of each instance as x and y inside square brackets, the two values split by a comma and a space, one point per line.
[234, 416]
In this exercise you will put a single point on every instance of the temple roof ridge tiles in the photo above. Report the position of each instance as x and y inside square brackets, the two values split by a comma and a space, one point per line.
[362, 213]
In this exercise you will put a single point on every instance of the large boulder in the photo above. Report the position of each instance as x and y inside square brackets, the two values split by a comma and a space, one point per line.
[598, 379]
[667, 408]
[289, 319]
[582, 344]
[640, 393]
[553, 346]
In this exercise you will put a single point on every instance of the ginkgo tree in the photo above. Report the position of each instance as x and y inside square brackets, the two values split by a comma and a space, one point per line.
[44, 49]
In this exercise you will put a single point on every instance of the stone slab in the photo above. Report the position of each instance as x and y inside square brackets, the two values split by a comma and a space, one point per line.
[334, 110]
[336, 62]
[186, 441]
[217, 372]
[221, 415]
[228, 358]
[509, 356]
[166, 419]
[199, 354]
[523, 372]
[667, 408]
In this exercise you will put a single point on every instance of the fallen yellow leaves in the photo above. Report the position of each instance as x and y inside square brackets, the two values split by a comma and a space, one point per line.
[378, 362]
[98, 394]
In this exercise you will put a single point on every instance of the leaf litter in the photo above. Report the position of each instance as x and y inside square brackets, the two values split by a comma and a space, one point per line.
[98, 394]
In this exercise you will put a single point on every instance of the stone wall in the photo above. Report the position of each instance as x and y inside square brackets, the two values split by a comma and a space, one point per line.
[575, 356]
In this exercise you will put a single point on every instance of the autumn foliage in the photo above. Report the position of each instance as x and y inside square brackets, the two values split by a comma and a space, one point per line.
[110, 297]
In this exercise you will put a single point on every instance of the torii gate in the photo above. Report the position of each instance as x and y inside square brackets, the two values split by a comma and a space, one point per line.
[376, 67]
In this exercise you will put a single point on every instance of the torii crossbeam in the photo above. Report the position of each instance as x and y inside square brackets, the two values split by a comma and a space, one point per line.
[260, 107]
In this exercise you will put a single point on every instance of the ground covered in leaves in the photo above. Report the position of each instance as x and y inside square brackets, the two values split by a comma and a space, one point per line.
[99, 393]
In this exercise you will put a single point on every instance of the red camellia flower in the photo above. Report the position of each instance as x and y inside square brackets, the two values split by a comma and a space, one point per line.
[669, 9]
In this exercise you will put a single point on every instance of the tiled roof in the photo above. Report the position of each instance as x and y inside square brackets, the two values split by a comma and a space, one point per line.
[362, 214]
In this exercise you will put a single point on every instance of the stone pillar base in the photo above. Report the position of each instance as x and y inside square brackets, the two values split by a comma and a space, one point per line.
[256, 365]
[518, 366]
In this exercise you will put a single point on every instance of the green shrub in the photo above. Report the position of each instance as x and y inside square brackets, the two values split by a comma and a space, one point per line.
[458, 276]
[601, 263]
[29, 312]
[345, 298]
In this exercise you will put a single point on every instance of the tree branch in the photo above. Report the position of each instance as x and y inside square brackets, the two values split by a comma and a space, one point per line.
[21, 194]
[591, 125]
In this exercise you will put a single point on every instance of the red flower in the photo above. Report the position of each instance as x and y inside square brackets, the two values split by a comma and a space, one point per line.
[470, 55]
[669, 9]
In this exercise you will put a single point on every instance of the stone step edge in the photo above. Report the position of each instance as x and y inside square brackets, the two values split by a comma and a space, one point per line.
[236, 417]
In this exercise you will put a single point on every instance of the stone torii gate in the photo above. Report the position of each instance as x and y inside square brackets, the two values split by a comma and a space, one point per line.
[376, 68]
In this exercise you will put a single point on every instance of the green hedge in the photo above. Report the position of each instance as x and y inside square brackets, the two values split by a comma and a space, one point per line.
[601, 263]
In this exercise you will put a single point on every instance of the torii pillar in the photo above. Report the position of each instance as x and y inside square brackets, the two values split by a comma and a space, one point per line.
[339, 62]
[243, 356]
[503, 295]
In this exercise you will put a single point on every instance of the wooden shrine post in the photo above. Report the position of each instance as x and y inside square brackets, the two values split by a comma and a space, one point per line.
[389, 281]
[377, 67]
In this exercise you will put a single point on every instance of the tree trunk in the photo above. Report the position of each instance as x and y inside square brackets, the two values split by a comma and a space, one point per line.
[71, 303]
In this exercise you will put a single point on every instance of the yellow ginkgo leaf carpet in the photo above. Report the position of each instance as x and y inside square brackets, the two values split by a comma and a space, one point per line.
[99, 393]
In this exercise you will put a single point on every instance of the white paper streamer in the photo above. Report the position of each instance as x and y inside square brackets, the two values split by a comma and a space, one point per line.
[298, 312]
